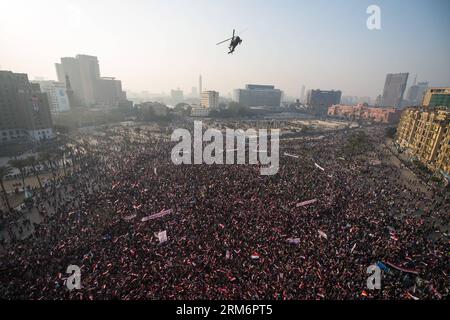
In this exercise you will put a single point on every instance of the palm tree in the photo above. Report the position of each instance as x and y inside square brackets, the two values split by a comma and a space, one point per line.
[31, 160]
[20, 165]
[47, 157]
[4, 171]
[60, 153]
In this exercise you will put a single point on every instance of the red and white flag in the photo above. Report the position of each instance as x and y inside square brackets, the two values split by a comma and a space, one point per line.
[305, 203]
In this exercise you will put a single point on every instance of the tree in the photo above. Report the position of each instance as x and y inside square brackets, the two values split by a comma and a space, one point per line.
[181, 106]
[4, 171]
[47, 158]
[31, 160]
[237, 109]
[356, 144]
[234, 106]
[59, 154]
[20, 165]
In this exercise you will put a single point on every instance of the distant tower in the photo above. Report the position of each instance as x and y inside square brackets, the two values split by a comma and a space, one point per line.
[394, 88]
[200, 88]
[302, 94]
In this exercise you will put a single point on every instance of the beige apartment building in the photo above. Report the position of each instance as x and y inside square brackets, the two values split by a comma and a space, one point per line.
[425, 134]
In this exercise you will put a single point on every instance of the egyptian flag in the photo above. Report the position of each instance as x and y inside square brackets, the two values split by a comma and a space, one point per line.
[255, 255]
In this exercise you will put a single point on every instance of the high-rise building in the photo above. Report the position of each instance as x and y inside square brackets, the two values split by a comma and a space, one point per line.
[83, 72]
[210, 100]
[177, 95]
[194, 93]
[258, 96]
[416, 93]
[425, 135]
[200, 88]
[24, 110]
[89, 89]
[378, 100]
[394, 88]
[90, 73]
[57, 95]
[437, 97]
[318, 101]
[302, 94]
[108, 92]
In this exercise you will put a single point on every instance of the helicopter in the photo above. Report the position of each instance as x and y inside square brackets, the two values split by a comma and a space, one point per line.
[235, 41]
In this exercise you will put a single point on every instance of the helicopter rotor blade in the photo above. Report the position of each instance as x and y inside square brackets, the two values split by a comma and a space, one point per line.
[224, 41]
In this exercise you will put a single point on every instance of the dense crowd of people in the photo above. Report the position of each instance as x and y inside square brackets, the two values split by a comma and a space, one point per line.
[232, 233]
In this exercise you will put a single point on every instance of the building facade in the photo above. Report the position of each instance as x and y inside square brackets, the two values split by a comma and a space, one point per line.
[177, 95]
[318, 101]
[194, 93]
[57, 96]
[108, 92]
[200, 112]
[210, 100]
[82, 75]
[83, 72]
[258, 96]
[364, 112]
[302, 94]
[394, 89]
[437, 97]
[425, 135]
[416, 93]
[24, 110]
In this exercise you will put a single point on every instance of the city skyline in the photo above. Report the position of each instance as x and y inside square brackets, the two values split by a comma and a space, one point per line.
[248, 152]
[306, 44]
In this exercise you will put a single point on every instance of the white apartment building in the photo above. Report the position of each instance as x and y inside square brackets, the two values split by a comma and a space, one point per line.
[210, 100]
[57, 96]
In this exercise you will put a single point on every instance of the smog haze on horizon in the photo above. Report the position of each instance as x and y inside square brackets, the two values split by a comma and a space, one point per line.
[157, 46]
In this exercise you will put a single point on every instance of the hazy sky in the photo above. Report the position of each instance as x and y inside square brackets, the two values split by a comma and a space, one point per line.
[158, 45]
